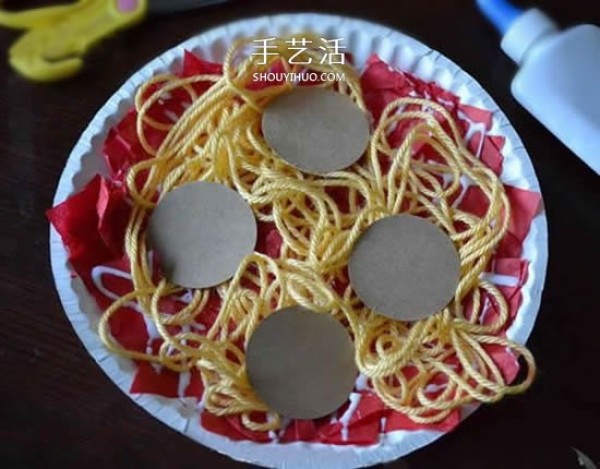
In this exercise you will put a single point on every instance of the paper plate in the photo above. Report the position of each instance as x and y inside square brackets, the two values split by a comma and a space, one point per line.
[362, 39]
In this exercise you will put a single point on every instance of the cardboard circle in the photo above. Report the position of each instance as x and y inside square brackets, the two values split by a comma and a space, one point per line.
[201, 232]
[301, 363]
[316, 130]
[404, 267]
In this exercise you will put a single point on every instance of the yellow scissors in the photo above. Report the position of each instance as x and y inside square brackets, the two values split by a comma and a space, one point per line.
[57, 37]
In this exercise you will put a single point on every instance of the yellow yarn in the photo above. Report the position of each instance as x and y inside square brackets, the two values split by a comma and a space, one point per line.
[219, 139]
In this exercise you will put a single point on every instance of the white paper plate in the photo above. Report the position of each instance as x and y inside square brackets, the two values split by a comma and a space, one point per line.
[362, 39]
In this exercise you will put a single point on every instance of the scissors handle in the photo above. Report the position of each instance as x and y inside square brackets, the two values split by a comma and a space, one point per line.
[58, 37]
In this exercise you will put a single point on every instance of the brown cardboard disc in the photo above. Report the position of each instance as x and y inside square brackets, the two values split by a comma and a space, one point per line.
[404, 267]
[301, 363]
[316, 130]
[201, 231]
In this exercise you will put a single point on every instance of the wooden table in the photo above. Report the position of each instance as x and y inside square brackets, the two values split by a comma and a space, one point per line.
[59, 409]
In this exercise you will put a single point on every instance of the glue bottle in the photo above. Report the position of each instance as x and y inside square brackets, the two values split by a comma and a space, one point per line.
[559, 76]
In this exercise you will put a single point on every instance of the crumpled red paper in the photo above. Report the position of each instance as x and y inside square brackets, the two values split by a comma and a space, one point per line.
[92, 224]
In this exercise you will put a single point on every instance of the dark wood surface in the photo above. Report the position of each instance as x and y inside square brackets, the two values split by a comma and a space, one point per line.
[57, 408]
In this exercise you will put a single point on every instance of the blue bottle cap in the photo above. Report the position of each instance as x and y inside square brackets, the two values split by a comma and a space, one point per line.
[501, 13]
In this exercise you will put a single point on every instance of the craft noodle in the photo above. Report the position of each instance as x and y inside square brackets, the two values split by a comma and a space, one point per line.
[219, 139]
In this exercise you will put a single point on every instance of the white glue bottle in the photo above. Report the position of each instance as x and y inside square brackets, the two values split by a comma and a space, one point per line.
[559, 77]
